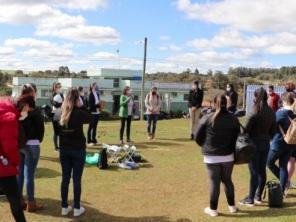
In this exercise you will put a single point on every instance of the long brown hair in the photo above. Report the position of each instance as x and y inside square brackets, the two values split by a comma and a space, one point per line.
[220, 103]
[68, 105]
[55, 86]
[260, 99]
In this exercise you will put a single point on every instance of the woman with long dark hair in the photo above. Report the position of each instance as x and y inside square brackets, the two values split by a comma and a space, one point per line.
[217, 134]
[57, 99]
[261, 127]
[232, 98]
[72, 149]
[94, 107]
[33, 127]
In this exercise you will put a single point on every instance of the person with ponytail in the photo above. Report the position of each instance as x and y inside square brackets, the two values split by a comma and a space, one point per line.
[260, 127]
[217, 134]
[72, 149]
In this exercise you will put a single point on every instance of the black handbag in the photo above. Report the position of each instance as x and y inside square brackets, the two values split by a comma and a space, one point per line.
[244, 149]
[275, 194]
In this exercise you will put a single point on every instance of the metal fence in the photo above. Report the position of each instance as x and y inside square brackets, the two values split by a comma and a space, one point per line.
[250, 94]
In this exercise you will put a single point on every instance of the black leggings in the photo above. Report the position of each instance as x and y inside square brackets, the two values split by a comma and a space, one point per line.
[128, 121]
[220, 172]
[10, 189]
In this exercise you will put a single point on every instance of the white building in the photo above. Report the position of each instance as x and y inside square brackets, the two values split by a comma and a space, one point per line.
[111, 83]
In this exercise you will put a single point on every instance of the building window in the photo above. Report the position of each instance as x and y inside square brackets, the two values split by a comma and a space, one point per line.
[174, 94]
[136, 97]
[186, 97]
[116, 83]
[45, 93]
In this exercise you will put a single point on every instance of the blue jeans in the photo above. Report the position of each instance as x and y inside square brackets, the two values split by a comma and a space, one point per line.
[281, 171]
[257, 169]
[72, 162]
[29, 161]
[152, 120]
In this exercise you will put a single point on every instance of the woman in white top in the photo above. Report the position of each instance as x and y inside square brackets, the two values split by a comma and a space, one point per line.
[57, 100]
[153, 105]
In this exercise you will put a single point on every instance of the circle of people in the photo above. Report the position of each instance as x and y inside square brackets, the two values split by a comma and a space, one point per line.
[22, 131]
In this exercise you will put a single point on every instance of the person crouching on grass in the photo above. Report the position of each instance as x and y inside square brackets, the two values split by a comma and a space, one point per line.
[9, 152]
[72, 149]
[125, 113]
[217, 134]
[153, 105]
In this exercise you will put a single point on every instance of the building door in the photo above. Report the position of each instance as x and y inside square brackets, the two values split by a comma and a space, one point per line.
[116, 103]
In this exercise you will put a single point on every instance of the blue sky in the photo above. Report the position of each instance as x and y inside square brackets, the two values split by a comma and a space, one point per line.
[87, 34]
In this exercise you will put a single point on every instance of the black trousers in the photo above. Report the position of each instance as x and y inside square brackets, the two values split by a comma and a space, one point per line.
[10, 189]
[220, 172]
[92, 129]
[128, 121]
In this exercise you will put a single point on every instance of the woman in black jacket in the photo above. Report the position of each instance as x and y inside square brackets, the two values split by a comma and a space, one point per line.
[33, 127]
[94, 108]
[232, 98]
[260, 126]
[217, 134]
[83, 98]
[72, 149]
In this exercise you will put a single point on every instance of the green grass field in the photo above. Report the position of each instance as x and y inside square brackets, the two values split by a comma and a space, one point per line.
[172, 187]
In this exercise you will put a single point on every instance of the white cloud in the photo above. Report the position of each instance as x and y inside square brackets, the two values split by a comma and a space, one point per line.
[165, 37]
[51, 21]
[68, 4]
[4, 51]
[276, 43]
[247, 15]
[171, 47]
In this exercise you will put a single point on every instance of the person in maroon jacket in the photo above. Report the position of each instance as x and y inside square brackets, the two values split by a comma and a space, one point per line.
[9, 153]
[273, 99]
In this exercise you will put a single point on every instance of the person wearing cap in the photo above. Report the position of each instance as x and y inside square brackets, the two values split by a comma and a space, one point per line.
[194, 105]
[153, 105]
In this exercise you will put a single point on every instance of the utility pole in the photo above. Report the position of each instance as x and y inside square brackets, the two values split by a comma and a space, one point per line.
[244, 95]
[143, 80]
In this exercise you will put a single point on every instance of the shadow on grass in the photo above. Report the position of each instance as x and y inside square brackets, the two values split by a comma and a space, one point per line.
[52, 208]
[47, 173]
[155, 144]
[178, 139]
[287, 210]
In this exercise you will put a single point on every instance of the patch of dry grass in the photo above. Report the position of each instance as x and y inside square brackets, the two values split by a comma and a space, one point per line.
[172, 187]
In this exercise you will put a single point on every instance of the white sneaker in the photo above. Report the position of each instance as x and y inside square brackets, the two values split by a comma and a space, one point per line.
[233, 209]
[79, 212]
[66, 211]
[210, 212]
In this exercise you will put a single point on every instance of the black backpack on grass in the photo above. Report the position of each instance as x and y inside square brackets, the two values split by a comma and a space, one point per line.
[275, 194]
[103, 162]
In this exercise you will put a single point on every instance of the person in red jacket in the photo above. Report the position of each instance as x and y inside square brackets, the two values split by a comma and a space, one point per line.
[273, 99]
[9, 154]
